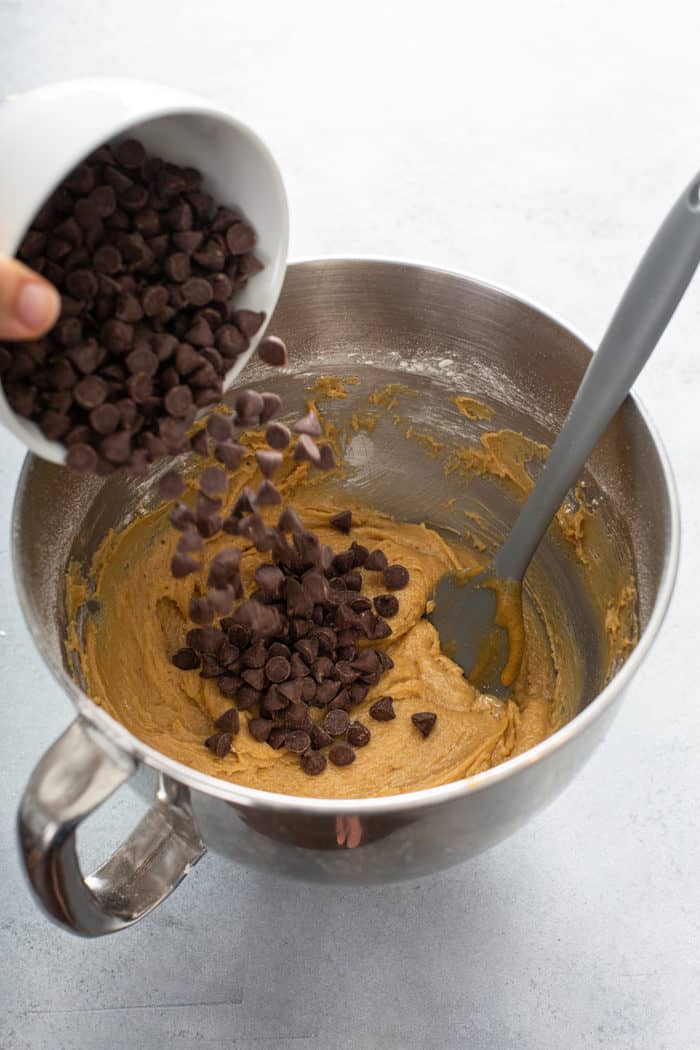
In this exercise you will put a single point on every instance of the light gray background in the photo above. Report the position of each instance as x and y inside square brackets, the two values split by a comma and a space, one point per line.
[537, 145]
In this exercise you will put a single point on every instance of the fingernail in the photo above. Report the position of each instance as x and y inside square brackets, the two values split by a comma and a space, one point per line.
[36, 304]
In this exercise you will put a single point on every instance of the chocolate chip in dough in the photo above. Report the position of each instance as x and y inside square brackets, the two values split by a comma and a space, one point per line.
[341, 754]
[382, 710]
[219, 744]
[424, 721]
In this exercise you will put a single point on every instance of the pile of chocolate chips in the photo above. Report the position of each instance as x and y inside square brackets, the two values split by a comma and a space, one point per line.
[294, 644]
[148, 271]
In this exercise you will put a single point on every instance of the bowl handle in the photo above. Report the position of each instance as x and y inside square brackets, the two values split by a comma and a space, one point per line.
[79, 772]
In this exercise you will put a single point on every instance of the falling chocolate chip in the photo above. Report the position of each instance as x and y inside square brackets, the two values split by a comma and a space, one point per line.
[308, 424]
[272, 351]
[306, 451]
[182, 565]
[278, 436]
[267, 494]
[268, 462]
[342, 521]
[171, 485]
[219, 426]
[327, 459]
[424, 721]
[219, 743]
[212, 481]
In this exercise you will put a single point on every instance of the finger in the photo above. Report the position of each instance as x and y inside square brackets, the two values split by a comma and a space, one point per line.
[29, 305]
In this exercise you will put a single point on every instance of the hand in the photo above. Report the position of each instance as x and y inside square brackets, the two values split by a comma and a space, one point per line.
[29, 305]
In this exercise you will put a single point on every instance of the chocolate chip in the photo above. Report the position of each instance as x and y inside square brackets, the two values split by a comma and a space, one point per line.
[336, 722]
[82, 458]
[240, 238]
[171, 484]
[313, 763]
[270, 579]
[277, 669]
[382, 710]
[190, 541]
[212, 481]
[229, 721]
[358, 735]
[229, 453]
[186, 659]
[353, 580]
[272, 351]
[230, 686]
[358, 692]
[341, 754]
[376, 561]
[297, 741]
[278, 436]
[267, 495]
[320, 738]
[116, 448]
[381, 630]
[290, 521]
[200, 610]
[182, 565]
[305, 450]
[248, 321]
[277, 737]
[290, 690]
[224, 568]
[260, 729]
[386, 604]
[181, 516]
[308, 424]
[424, 721]
[396, 577]
[298, 717]
[178, 401]
[268, 462]
[219, 426]
[219, 743]
[342, 521]
[249, 405]
[230, 341]
[130, 154]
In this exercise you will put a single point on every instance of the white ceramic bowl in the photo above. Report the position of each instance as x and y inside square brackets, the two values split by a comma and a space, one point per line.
[46, 132]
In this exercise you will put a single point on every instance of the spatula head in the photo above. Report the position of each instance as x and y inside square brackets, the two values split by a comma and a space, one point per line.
[480, 623]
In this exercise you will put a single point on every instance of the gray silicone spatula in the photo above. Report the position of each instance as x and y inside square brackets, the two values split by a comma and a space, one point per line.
[479, 618]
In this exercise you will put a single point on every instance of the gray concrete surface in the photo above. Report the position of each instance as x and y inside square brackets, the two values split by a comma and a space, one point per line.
[536, 145]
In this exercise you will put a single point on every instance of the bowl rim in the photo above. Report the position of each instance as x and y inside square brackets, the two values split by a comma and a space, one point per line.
[257, 798]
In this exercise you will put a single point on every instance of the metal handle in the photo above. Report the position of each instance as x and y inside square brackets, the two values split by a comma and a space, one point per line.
[77, 774]
[645, 309]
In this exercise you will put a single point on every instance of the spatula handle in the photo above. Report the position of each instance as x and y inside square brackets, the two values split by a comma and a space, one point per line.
[639, 321]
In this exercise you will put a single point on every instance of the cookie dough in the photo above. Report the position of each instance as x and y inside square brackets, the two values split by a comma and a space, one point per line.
[138, 620]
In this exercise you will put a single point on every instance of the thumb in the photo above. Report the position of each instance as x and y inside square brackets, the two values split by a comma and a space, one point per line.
[29, 305]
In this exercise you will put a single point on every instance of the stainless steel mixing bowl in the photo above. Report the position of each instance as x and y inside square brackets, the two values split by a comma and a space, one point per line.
[438, 334]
